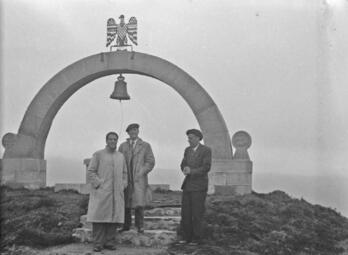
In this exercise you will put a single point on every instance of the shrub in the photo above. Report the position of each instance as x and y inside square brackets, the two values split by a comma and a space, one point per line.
[273, 223]
[39, 217]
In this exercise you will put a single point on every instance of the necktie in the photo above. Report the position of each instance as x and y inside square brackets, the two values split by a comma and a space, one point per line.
[131, 162]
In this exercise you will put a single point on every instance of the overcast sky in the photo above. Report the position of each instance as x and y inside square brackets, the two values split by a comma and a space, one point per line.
[276, 69]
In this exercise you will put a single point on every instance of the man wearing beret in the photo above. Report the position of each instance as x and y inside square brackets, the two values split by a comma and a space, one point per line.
[195, 166]
[140, 161]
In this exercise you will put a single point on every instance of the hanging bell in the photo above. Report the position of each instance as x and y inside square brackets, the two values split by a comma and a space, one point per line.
[120, 90]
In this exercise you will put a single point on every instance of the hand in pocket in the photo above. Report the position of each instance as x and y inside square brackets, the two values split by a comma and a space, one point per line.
[100, 183]
[139, 175]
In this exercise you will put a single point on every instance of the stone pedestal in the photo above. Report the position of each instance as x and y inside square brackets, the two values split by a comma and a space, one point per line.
[233, 176]
[230, 176]
[23, 172]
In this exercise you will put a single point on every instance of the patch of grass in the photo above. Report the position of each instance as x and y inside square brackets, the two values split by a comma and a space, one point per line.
[270, 224]
[39, 218]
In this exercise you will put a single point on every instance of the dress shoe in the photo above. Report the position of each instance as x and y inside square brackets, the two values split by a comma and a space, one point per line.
[97, 248]
[123, 229]
[110, 247]
[181, 242]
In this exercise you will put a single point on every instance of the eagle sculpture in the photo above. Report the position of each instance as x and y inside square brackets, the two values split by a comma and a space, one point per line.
[120, 32]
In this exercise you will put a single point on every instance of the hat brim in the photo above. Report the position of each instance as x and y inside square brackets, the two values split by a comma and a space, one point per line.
[132, 126]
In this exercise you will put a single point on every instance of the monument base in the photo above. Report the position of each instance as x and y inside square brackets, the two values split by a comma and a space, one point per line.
[230, 177]
[29, 173]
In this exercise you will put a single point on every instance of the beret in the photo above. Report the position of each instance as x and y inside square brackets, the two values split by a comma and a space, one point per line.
[195, 132]
[131, 126]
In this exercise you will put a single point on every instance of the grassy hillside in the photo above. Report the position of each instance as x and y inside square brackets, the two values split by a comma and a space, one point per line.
[40, 217]
[272, 223]
[269, 224]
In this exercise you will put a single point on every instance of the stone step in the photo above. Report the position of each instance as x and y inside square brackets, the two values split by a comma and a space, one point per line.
[83, 235]
[162, 222]
[150, 238]
[150, 222]
[160, 216]
[85, 223]
[164, 211]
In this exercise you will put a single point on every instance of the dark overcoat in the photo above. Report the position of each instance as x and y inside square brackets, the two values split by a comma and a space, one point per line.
[199, 162]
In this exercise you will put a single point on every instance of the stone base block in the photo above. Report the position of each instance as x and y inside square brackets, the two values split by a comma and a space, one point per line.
[230, 176]
[231, 190]
[23, 172]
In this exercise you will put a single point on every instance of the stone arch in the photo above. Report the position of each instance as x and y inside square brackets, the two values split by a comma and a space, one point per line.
[30, 141]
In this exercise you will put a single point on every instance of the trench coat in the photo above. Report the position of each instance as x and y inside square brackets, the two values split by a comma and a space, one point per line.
[107, 173]
[138, 192]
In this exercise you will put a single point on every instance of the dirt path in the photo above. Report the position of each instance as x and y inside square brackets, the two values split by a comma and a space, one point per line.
[87, 249]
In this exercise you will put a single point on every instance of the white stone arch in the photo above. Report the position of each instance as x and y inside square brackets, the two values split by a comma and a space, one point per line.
[23, 159]
[31, 138]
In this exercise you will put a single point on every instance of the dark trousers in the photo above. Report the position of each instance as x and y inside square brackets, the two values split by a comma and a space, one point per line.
[192, 211]
[139, 217]
[104, 233]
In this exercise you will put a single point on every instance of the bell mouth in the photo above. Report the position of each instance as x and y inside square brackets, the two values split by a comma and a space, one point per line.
[112, 96]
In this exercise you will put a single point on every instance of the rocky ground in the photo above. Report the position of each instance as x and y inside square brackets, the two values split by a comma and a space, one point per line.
[42, 222]
[85, 249]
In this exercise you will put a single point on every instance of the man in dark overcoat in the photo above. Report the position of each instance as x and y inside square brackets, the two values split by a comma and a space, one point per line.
[195, 166]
